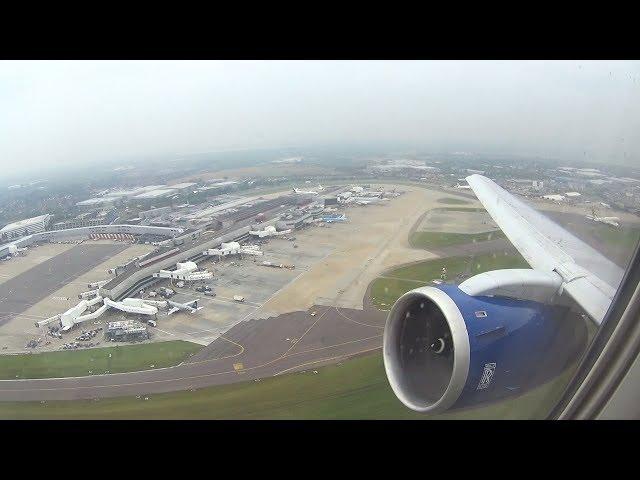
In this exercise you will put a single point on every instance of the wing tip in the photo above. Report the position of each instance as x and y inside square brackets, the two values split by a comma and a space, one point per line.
[475, 176]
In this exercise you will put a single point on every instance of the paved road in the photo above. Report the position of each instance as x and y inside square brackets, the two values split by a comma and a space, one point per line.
[250, 350]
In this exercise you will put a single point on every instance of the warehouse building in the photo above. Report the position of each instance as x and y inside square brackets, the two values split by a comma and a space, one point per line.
[27, 226]
[186, 187]
[114, 197]
[554, 197]
[97, 203]
[134, 191]
[88, 219]
[155, 194]
[219, 187]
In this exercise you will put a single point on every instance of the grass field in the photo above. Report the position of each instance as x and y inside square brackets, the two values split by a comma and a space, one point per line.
[625, 238]
[386, 289]
[356, 389]
[444, 239]
[125, 358]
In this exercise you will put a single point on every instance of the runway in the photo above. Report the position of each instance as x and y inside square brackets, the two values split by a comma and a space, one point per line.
[250, 350]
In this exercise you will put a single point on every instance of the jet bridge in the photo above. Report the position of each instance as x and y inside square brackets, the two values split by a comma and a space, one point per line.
[75, 315]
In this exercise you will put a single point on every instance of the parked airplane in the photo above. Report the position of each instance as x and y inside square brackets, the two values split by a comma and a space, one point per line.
[133, 305]
[185, 271]
[503, 332]
[612, 221]
[234, 248]
[309, 192]
[190, 307]
[269, 231]
[369, 200]
[15, 250]
[337, 218]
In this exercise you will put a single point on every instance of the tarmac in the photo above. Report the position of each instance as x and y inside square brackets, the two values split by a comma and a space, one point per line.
[374, 238]
[24, 290]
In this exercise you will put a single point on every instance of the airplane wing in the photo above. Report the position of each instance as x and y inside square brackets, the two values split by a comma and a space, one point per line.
[589, 278]
[173, 310]
[192, 306]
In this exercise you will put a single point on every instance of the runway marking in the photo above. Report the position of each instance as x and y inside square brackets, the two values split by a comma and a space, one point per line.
[235, 343]
[231, 300]
[355, 321]
[332, 346]
[26, 315]
[327, 359]
[405, 279]
[242, 350]
[164, 331]
[293, 344]
[78, 283]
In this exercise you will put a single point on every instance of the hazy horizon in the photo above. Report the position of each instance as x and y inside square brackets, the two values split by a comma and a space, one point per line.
[68, 113]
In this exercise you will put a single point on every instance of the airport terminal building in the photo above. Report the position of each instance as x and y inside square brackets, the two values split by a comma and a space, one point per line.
[26, 227]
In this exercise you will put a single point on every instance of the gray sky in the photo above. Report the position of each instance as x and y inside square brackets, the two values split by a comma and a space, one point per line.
[84, 111]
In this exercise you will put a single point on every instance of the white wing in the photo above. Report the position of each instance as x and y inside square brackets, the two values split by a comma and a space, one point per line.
[589, 278]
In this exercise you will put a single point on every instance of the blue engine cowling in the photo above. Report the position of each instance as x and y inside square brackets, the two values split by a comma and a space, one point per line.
[444, 349]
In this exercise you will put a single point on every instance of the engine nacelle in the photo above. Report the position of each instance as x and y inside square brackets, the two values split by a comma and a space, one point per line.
[444, 349]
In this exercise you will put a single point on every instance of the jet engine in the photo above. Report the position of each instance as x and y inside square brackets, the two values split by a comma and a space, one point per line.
[445, 349]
